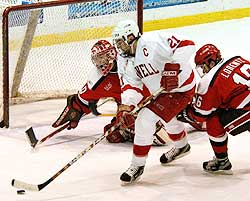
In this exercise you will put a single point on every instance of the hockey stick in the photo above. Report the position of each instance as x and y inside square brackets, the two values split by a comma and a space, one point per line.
[33, 187]
[34, 141]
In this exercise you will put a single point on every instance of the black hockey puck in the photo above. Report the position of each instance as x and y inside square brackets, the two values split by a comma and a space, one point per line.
[21, 192]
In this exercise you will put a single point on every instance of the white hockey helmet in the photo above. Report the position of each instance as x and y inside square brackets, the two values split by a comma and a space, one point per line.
[126, 31]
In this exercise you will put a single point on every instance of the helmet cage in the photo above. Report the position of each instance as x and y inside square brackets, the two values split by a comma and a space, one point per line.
[124, 34]
[103, 56]
[122, 47]
[202, 69]
[204, 58]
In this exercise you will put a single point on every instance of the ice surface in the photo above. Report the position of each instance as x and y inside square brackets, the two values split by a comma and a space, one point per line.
[95, 177]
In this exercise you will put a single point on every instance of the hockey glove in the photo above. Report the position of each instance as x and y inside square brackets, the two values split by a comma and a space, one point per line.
[117, 135]
[184, 116]
[124, 117]
[169, 78]
[72, 112]
[111, 124]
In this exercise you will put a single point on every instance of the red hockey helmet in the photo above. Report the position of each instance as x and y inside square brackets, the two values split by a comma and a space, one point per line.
[207, 57]
[103, 55]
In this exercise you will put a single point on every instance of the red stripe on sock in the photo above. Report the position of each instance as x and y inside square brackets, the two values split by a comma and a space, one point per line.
[141, 150]
[176, 137]
[220, 149]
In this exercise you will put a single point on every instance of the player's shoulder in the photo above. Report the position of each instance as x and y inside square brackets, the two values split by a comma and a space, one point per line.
[123, 62]
[155, 36]
[93, 77]
[154, 40]
[235, 61]
[207, 79]
[160, 38]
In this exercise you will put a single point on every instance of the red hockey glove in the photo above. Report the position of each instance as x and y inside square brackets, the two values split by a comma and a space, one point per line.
[72, 112]
[108, 126]
[124, 117]
[115, 137]
[169, 78]
[118, 135]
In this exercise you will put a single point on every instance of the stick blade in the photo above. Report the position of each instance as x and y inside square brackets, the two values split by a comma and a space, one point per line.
[25, 186]
[31, 137]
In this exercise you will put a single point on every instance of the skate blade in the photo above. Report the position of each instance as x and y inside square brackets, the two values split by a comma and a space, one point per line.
[220, 172]
[126, 183]
[177, 157]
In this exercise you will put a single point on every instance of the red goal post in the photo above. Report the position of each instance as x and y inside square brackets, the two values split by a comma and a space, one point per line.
[46, 46]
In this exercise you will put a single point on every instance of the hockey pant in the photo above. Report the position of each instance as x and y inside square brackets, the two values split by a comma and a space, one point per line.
[235, 121]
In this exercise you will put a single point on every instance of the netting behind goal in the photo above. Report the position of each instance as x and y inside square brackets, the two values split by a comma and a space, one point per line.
[46, 46]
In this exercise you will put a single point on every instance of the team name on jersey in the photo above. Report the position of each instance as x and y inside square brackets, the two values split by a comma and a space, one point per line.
[145, 70]
[228, 68]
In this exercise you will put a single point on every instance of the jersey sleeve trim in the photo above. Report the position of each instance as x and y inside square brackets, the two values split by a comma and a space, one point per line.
[189, 80]
[83, 101]
[127, 86]
[185, 43]
[98, 82]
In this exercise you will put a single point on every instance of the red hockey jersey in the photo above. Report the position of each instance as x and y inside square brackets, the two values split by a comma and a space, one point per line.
[226, 85]
[101, 87]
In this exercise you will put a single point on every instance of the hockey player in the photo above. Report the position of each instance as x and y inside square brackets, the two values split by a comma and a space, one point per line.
[103, 82]
[222, 101]
[161, 59]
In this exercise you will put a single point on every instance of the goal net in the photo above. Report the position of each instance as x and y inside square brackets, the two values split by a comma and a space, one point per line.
[46, 45]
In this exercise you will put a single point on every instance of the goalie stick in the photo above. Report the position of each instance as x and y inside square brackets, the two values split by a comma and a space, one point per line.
[34, 141]
[33, 187]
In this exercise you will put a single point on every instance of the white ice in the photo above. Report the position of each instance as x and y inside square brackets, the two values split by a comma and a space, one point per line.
[95, 176]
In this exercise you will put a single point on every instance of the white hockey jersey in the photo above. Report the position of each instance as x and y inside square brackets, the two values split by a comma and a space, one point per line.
[131, 86]
[154, 50]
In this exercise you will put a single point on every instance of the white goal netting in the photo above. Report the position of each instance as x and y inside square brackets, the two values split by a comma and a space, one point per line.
[49, 47]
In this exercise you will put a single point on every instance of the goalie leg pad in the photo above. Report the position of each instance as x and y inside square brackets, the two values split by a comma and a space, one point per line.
[160, 136]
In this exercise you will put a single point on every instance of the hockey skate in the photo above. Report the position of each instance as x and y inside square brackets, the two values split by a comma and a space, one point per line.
[218, 166]
[174, 154]
[133, 173]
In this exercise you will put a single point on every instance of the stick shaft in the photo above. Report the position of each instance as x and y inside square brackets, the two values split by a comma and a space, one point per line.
[53, 133]
[32, 187]
[34, 141]
[27, 186]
